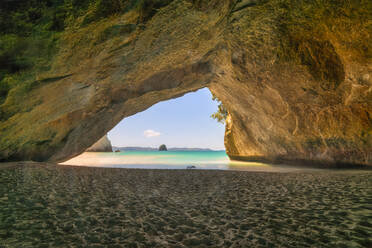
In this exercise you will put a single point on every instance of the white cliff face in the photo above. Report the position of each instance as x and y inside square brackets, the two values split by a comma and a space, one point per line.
[102, 145]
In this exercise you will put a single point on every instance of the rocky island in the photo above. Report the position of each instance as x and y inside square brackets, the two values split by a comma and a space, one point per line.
[292, 92]
[163, 148]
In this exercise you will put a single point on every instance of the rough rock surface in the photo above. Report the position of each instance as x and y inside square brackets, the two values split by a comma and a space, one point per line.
[102, 145]
[293, 92]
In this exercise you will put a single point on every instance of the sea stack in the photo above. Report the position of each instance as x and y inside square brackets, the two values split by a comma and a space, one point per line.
[163, 148]
[102, 145]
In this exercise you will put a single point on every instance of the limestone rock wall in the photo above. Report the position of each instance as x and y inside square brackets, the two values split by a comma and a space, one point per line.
[293, 92]
[102, 145]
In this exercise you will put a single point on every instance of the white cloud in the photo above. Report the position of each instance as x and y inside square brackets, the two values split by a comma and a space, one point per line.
[150, 133]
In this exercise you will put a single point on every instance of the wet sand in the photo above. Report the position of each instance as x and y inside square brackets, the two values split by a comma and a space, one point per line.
[46, 205]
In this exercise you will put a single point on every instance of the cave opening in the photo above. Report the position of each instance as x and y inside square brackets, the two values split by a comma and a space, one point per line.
[190, 127]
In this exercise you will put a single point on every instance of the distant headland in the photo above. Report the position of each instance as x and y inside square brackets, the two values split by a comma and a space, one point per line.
[138, 148]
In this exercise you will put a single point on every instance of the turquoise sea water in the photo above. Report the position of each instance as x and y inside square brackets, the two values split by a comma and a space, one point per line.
[154, 159]
[212, 160]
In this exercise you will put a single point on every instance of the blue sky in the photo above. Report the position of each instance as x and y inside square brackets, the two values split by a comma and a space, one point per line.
[180, 122]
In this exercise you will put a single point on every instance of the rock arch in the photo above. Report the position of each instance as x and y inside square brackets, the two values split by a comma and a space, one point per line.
[290, 95]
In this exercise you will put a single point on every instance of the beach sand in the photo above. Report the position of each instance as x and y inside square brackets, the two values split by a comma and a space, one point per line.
[47, 205]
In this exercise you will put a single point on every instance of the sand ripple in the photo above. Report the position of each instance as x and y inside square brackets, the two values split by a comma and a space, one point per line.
[61, 206]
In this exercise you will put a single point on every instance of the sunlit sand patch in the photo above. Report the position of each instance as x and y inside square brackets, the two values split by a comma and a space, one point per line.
[104, 159]
[172, 160]
[253, 166]
[256, 166]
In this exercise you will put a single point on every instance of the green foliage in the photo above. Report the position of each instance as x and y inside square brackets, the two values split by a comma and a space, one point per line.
[27, 33]
[145, 9]
[99, 9]
[4, 89]
[12, 48]
[29, 16]
[221, 113]
[103, 8]
[205, 5]
[148, 8]
[30, 31]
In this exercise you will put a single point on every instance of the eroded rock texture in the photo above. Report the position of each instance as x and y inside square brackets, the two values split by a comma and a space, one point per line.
[296, 79]
[102, 145]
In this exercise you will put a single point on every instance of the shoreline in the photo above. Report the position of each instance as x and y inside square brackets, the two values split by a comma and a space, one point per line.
[301, 162]
[274, 168]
